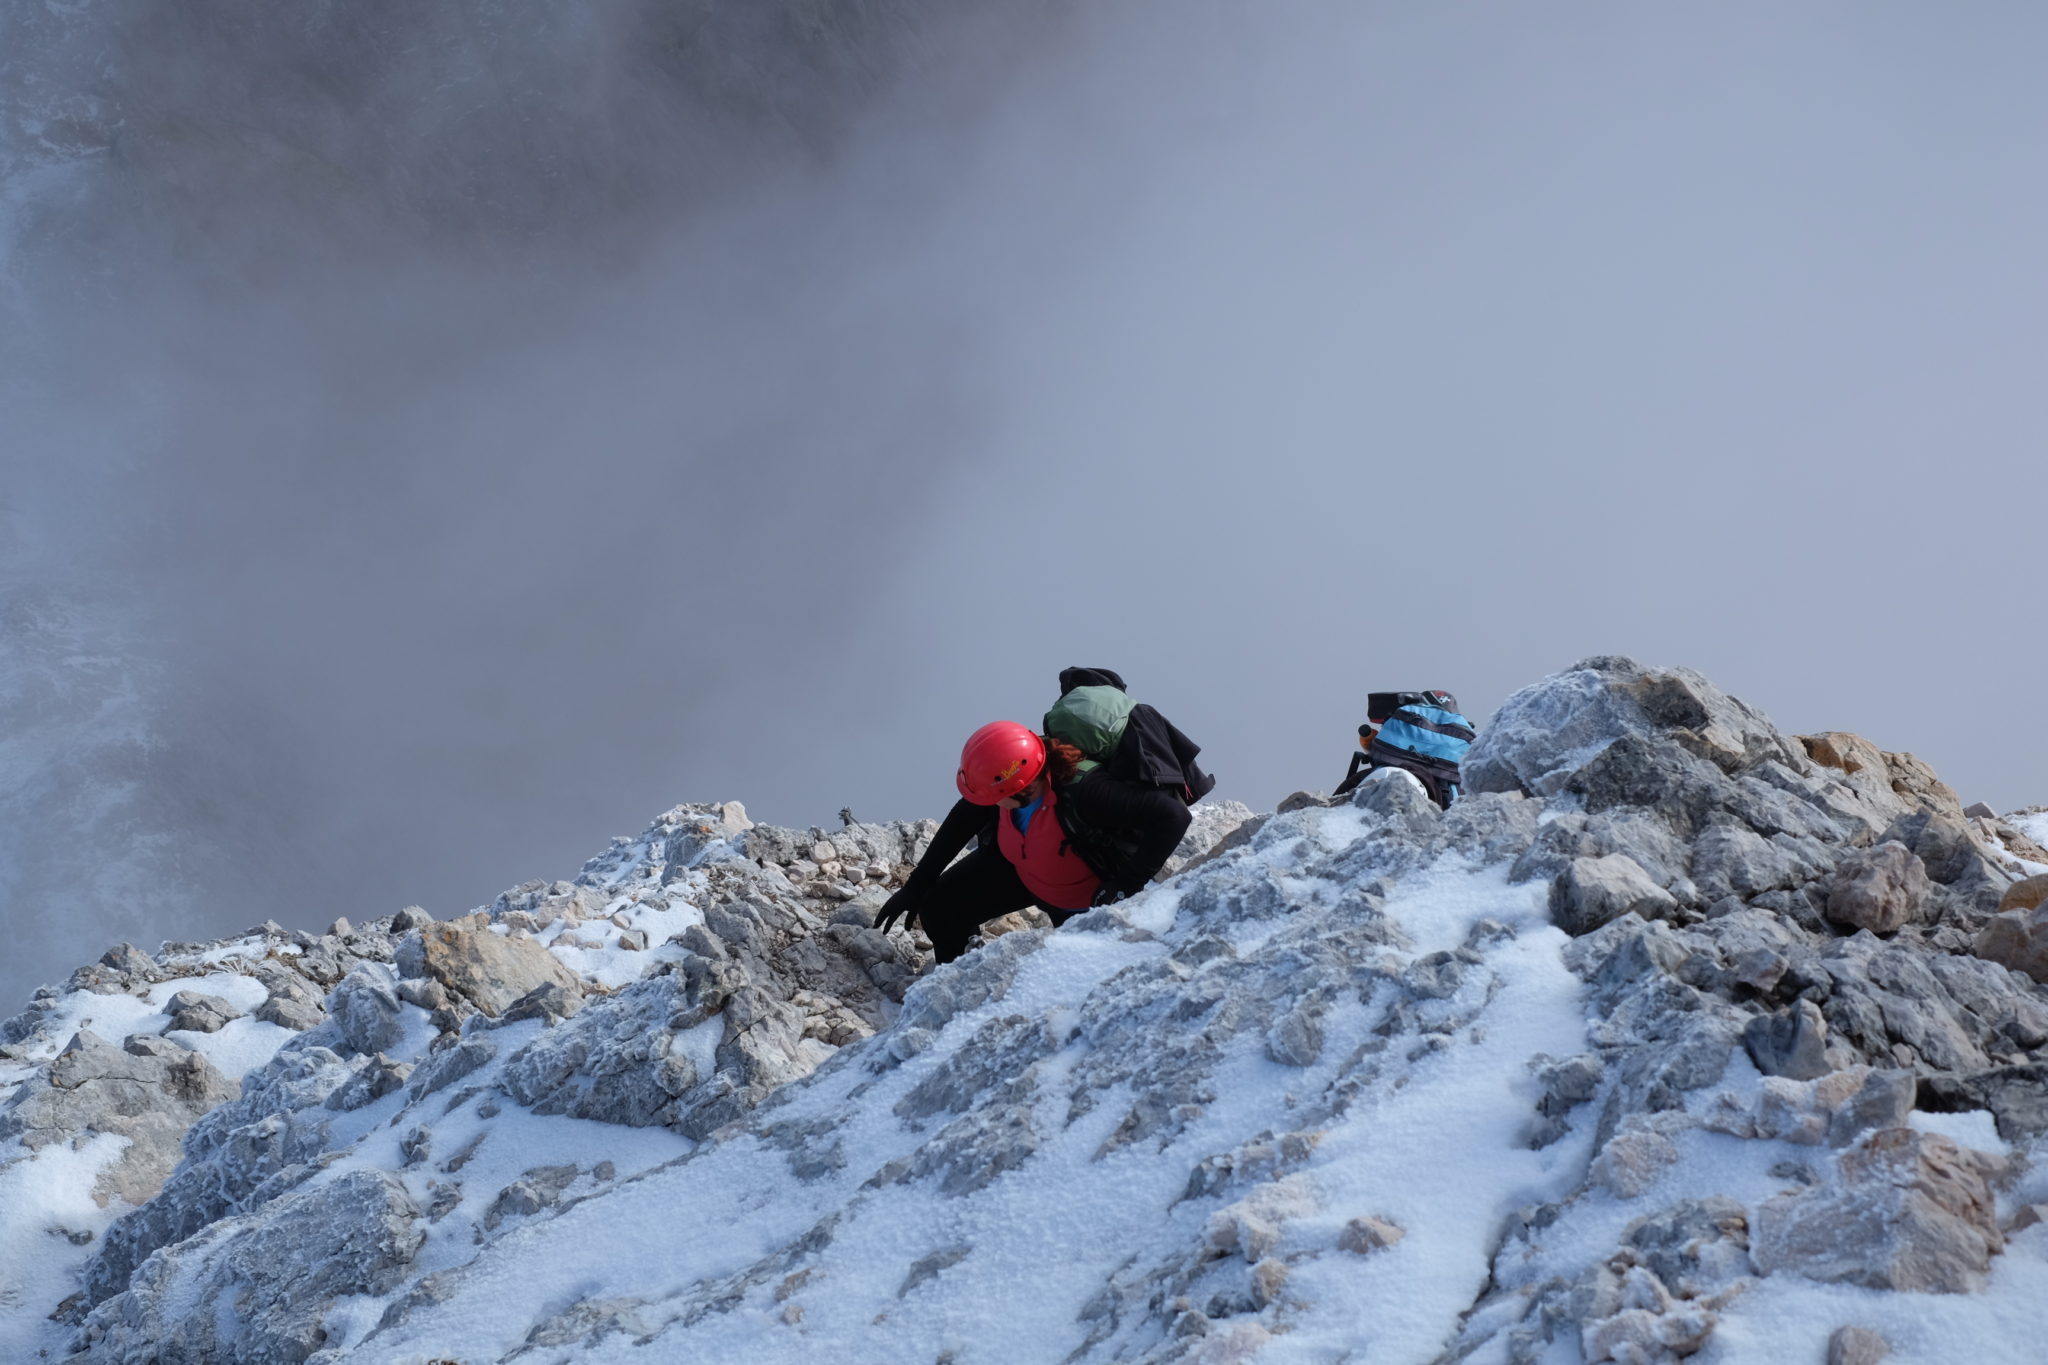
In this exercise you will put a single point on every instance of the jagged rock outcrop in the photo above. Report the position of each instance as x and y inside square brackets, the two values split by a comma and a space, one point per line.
[490, 971]
[147, 1091]
[768, 967]
[263, 1286]
[1768, 853]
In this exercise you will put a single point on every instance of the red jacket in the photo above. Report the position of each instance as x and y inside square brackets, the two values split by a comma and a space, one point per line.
[1045, 861]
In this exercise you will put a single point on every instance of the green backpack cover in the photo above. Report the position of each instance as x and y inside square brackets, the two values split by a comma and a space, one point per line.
[1092, 719]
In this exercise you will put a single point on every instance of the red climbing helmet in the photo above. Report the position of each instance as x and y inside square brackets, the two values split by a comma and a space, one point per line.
[998, 760]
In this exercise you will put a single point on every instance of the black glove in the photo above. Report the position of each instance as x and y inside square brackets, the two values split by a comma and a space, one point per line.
[1107, 895]
[904, 905]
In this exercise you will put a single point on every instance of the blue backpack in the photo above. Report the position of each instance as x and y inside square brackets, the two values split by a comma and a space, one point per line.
[1422, 733]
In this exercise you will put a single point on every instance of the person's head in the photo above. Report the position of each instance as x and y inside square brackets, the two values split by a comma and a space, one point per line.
[999, 760]
[1004, 763]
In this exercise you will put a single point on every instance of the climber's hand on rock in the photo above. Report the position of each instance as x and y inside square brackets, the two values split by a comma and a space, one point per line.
[904, 906]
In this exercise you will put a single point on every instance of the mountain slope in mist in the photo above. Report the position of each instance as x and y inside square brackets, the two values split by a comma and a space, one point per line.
[330, 340]
[76, 748]
[1597, 1065]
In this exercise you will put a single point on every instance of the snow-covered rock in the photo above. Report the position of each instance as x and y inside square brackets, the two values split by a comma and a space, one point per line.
[148, 1091]
[1904, 1210]
[1520, 1081]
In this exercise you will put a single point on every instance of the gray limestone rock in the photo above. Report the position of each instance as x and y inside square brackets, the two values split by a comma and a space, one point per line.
[150, 1092]
[2016, 1097]
[199, 1013]
[1209, 824]
[1972, 878]
[270, 1280]
[1790, 1043]
[411, 918]
[1734, 860]
[1835, 1108]
[1591, 892]
[239, 1155]
[2017, 939]
[366, 1009]
[612, 1062]
[130, 961]
[292, 1014]
[1696, 1248]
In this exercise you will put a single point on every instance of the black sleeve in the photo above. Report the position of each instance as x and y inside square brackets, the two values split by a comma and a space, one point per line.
[962, 823]
[1152, 818]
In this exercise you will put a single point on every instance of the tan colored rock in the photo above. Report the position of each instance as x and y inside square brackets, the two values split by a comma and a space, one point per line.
[1367, 1235]
[1905, 1210]
[1857, 1346]
[1861, 792]
[1631, 1162]
[1842, 751]
[1890, 778]
[1269, 1281]
[1639, 1334]
[2025, 895]
[1881, 889]
[490, 970]
[1033, 918]
[2018, 844]
[2017, 939]
[1916, 784]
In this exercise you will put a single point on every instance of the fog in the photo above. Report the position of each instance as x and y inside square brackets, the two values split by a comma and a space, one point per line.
[430, 451]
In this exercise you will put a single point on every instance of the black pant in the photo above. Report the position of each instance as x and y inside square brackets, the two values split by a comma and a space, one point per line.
[980, 887]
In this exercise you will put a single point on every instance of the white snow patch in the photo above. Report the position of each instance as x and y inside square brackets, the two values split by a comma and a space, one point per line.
[44, 1200]
[239, 1047]
[1972, 1128]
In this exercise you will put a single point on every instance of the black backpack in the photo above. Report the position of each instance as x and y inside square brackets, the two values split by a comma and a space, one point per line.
[1149, 748]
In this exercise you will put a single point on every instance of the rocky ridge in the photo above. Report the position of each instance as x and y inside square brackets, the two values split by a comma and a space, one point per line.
[1740, 1010]
[714, 961]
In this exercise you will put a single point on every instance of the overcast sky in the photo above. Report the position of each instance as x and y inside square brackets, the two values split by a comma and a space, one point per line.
[1270, 355]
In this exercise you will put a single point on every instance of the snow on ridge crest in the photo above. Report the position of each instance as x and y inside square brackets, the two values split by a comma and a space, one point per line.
[1340, 1090]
